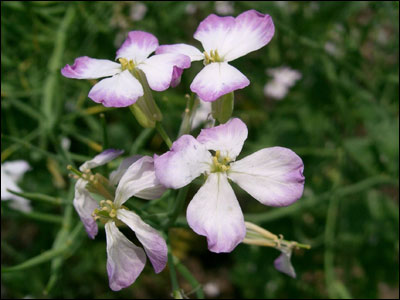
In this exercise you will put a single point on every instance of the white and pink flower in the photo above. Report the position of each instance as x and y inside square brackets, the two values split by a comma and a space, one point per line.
[224, 39]
[135, 177]
[273, 176]
[121, 88]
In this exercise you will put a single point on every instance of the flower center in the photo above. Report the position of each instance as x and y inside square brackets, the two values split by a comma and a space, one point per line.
[126, 64]
[107, 211]
[212, 57]
[220, 163]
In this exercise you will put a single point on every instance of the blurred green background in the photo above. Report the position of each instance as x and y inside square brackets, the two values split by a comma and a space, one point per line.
[341, 117]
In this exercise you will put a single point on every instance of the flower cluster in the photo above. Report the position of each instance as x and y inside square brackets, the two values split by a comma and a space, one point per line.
[273, 176]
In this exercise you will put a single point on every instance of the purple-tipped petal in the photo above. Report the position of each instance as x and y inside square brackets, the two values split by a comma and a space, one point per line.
[284, 265]
[273, 176]
[217, 79]
[213, 31]
[252, 31]
[140, 181]
[215, 213]
[91, 68]
[159, 69]
[186, 160]
[138, 46]
[121, 90]
[125, 261]
[188, 50]
[85, 205]
[101, 159]
[176, 77]
[152, 241]
[228, 138]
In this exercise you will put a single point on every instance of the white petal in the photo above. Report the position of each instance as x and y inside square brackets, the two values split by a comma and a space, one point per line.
[185, 49]
[215, 213]
[121, 90]
[15, 169]
[91, 68]
[217, 79]
[116, 175]
[186, 160]
[252, 31]
[101, 159]
[228, 138]
[273, 176]
[153, 243]
[125, 261]
[138, 46]
[85, 205]
[140, 181]
[283, 263]
[159, 69]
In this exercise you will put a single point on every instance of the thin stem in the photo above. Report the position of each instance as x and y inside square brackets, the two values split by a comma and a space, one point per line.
[176, 292]
[163, 134]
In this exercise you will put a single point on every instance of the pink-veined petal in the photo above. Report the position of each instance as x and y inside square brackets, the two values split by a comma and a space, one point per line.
[228, 138]
[252, 31]
[121, 90]
[159, 69]
[140, 181]
[101, 159]
[91, 68]
[213, 31]
[153, 243]
[273, 176]
[125, 261]
[138, 46]
[215, 213]
[188, 50]
[85, 205]
[116, 175]
[186, 160]
[217, 79]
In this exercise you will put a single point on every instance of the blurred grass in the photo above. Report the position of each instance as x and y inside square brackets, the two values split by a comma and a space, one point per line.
[342, 118]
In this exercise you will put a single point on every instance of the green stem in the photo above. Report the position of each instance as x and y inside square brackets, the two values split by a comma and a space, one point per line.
[163, 134]
[39, 197]
[190, 278]
[176, 292]
[178, 206]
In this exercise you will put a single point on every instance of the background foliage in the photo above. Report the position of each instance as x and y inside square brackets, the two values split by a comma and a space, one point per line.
[341, 118]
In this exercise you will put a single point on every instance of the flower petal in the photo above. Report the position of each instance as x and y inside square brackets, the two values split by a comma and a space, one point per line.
[215, 213]
[90, 68]
[227, 138]
[159, 69]
[273, 176]
[85, 205]
[138, 46]
[188, 50]
[213, 31]
[186, 160]
[140, 181]
[15, 169]
[176, 76]
[115, 176]
[125, 261]
[284, 265]
[153, 243]
[252, 31]
[121, 90]
[217, 79]
[101, 159]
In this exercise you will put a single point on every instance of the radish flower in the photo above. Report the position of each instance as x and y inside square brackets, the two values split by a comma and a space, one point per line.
[122, 88]
[273, 176]
[135, 177]
[224, 39]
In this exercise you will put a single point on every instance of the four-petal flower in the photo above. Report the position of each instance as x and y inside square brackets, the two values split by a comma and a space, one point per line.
[273, 176]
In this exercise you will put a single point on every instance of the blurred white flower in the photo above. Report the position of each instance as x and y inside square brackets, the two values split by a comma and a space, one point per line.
[224, 7]
[138, 11]
[202, 115]
[11, 173]
[211, 289]
[283, 79]
[65, 143]
[191, 8]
